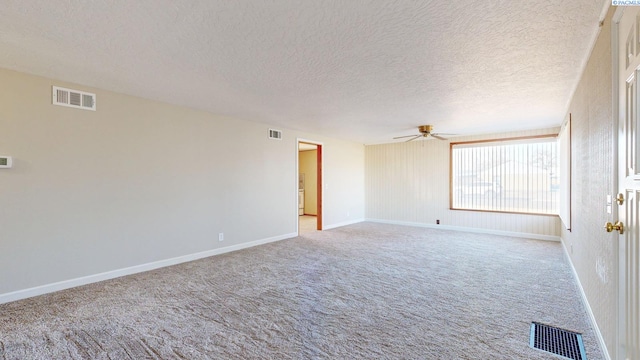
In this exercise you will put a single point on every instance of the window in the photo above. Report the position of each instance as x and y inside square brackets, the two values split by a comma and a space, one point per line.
[517, 175]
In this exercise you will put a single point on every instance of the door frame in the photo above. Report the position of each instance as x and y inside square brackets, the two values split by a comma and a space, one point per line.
[319, 192]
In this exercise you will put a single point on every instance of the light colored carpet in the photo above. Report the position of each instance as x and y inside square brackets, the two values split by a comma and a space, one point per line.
[363, 291]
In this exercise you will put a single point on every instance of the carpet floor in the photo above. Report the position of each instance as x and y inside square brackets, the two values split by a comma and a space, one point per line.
[364, 291]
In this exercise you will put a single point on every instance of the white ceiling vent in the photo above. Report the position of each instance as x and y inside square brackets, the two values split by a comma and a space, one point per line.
[275, 134]
[74, 98]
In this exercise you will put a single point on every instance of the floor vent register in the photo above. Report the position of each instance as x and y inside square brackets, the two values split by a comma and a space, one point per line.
[557, 341]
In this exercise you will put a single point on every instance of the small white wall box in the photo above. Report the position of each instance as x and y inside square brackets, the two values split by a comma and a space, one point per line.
[5, 162]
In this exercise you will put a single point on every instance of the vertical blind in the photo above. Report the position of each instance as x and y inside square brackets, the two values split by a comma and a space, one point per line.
[514, 175]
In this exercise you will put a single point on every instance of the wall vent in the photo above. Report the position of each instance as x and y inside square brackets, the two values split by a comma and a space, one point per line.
[74, 98]
[275, 134]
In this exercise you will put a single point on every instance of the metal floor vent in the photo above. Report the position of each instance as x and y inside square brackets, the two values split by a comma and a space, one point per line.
[557, 341]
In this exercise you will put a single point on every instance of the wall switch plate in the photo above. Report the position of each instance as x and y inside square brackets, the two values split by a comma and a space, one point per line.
[6, 162]
[221, 237]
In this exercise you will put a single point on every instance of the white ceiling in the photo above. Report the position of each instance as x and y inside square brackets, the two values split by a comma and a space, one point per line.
[363, 70]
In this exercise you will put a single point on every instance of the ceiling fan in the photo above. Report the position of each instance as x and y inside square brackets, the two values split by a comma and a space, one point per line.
[425, 131]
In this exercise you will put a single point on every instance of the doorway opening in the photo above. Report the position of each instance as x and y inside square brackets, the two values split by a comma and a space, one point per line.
[309, 186]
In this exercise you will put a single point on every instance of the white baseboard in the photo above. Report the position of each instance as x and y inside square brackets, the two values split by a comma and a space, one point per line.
[344, 223]
[472, 230]
[66, 284]
[594, 324]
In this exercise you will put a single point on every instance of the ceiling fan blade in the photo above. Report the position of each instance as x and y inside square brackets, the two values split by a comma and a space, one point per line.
[400, 137]
[445, 134]
[437, 136]
[413, 138]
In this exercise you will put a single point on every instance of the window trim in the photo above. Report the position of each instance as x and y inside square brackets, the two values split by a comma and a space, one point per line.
[494, 140]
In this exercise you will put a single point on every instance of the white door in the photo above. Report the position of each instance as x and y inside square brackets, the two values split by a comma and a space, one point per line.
[629, 183]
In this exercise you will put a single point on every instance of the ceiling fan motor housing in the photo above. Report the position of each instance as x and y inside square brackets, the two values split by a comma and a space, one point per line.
[425, 129]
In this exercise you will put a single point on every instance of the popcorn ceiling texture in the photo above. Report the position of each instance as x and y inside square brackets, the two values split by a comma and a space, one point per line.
[366, 291]
[359, 70]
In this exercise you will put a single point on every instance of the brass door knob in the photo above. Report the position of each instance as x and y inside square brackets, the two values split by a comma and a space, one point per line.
[617, 226]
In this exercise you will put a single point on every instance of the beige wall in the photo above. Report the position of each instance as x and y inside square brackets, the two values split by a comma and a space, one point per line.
[591, 249]
[309, 167]
[409, 183]
[139, 181]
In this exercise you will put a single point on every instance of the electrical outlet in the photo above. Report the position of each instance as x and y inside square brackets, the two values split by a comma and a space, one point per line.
[438, 222]
[221, 237]
[347, 214]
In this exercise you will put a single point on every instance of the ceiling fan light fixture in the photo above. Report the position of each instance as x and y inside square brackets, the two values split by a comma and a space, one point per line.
[425, 131]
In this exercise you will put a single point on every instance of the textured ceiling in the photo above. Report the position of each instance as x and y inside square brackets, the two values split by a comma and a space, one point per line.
[359, 70]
